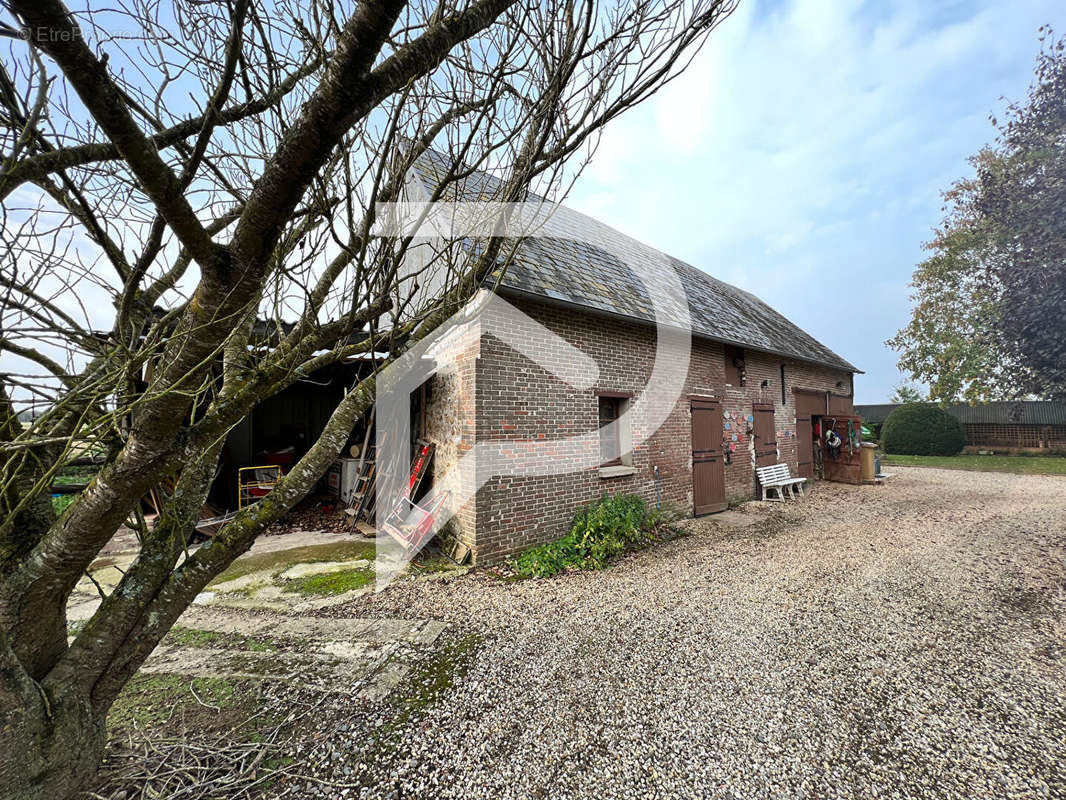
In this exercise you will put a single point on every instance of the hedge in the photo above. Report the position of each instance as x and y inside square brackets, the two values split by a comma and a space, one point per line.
[922, 429]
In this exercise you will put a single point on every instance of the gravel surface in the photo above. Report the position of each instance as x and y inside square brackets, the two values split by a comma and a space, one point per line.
[897, 641]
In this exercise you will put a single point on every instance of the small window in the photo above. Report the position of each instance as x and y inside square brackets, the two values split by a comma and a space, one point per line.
[784, 399]
[734, 366]
[610, 437]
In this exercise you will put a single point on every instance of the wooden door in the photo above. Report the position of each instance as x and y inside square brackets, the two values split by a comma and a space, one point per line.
[846, 467]
[708, 467]
[841, 405]
[764, 435]
[808, 405]
[804, 446]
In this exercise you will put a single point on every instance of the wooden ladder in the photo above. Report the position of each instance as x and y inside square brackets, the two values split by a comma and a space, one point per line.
[362, 497]
[362, 501]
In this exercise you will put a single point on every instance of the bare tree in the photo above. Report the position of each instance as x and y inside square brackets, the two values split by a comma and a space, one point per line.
[173, 173]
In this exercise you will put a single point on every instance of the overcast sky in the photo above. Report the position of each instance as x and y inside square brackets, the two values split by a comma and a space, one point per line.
[802, 155]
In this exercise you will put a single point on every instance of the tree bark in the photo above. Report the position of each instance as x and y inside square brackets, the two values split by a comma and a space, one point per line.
[175, 373]
[50, 737]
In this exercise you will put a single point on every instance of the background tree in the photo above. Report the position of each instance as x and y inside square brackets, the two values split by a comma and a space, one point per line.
[952, 342]
[1023, 198]
[906, 393]
[172, 174]
[988, 319]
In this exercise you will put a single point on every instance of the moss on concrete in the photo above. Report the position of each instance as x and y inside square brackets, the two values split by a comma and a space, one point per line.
[194, 637]
[421, 688]
[426, 563]
[331, 583]
[280, 559]
[439, 673]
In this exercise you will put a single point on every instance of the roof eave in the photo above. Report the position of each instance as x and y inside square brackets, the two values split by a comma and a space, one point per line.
[504, 289]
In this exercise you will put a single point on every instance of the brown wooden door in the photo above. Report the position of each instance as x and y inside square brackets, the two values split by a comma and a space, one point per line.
[804, 445]
[846, 467]
[841, 406]
[809, 404]
[708, 468]
[765, 435]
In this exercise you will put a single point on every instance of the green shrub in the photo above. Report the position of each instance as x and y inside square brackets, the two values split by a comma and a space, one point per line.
[600, 531]
[664, 517]
[922, 429]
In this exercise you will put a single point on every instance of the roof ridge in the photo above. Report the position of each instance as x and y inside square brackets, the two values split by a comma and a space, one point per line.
[587, 276]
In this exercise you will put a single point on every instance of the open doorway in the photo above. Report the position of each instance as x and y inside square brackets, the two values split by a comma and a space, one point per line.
[810, 406]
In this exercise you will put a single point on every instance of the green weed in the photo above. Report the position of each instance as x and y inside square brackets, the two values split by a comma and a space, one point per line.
[600, 532]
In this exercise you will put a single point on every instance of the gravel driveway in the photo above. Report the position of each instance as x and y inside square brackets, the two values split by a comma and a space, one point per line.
[896, 641]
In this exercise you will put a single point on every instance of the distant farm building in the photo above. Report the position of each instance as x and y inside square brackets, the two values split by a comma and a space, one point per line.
[1022, 425]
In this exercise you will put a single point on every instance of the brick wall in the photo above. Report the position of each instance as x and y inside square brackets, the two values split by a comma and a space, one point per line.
[739, 400]
[451, 424]
[517, 401]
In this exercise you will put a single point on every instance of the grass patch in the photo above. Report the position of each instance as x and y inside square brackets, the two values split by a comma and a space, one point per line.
[66, 476]
[331, 583]
[151, 700]
[1019, 465]
[69, 475]
[309, 554]
[195, 637]
[600, 532]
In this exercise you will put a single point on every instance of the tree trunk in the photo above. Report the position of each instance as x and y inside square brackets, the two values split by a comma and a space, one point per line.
[51, 739]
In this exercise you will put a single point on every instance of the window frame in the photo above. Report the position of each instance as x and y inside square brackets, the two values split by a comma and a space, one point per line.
[621, 401]
[614, 403]
[734, 375]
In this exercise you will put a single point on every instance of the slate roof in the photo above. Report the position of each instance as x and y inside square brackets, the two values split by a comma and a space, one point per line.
[1024, 412]
[574, 273]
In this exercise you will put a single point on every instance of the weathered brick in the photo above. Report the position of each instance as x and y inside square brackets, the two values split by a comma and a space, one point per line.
[500, 395]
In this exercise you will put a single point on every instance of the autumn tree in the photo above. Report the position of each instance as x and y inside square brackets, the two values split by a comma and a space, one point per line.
[953, 342]
[988, 320]
[906, 393]
[177, 179]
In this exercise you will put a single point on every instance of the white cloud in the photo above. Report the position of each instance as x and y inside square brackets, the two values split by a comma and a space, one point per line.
[806, 148]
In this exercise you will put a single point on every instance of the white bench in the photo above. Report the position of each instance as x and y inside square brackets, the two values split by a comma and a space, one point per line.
[778, 478]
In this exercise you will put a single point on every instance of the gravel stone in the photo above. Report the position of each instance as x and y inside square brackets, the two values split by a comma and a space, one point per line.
[897, 641]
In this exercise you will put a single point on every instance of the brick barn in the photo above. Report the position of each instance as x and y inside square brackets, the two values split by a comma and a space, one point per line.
[756, 384]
